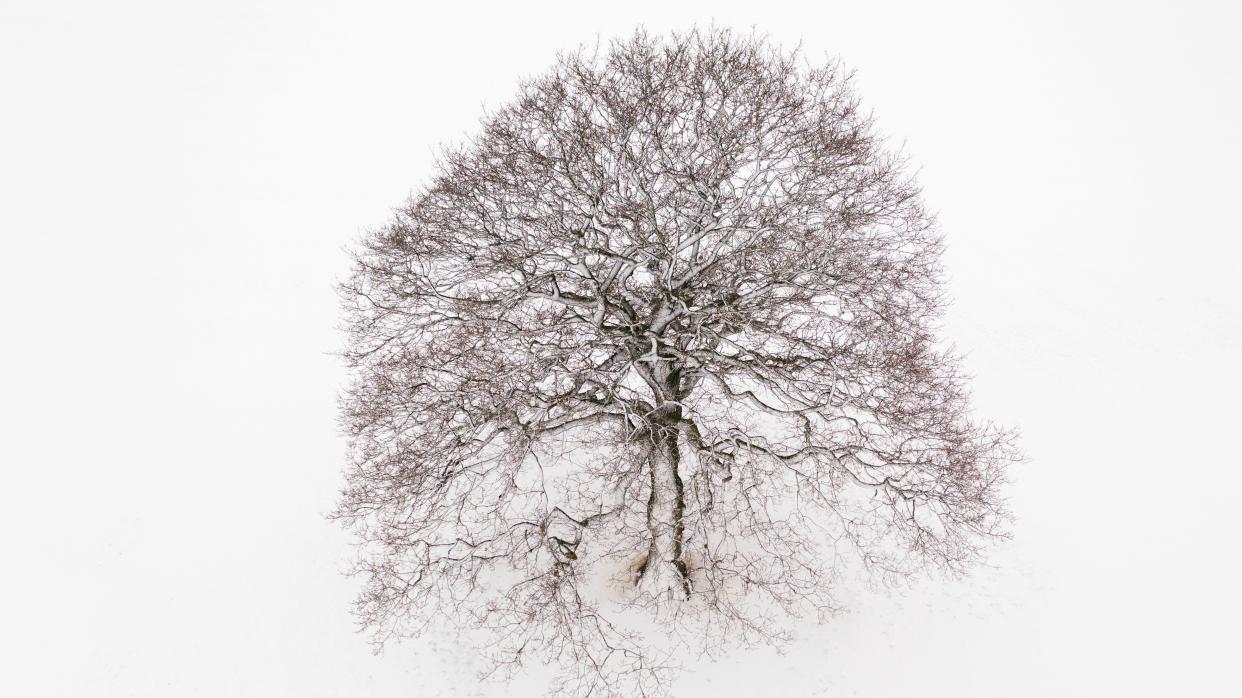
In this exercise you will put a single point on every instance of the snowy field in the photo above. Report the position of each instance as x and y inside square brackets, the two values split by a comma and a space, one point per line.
[179, 184]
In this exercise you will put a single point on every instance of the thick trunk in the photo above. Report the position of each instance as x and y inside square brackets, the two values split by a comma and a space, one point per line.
[664, 572]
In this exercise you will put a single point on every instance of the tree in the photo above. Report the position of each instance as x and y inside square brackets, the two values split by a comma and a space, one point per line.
[665, 324]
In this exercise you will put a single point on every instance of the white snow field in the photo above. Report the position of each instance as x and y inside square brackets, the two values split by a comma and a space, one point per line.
[178, 182]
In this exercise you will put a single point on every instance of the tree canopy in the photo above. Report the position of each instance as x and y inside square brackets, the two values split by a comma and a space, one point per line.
[661, 336]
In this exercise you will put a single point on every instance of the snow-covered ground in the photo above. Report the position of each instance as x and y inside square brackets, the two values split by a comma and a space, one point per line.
[178, 185]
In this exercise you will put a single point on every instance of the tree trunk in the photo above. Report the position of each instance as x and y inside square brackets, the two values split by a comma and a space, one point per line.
[664, 572]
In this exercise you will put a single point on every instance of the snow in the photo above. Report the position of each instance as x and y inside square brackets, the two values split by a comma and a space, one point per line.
[179, 184]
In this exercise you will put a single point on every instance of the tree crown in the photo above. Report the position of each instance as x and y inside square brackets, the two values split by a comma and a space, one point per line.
[671, 312]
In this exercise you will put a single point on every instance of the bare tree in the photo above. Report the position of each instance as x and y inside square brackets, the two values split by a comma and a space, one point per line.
[659, 337]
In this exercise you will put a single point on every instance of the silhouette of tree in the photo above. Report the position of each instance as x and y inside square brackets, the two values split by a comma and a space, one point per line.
[665, 323]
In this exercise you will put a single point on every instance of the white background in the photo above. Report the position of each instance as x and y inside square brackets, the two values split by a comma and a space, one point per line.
[178, 182]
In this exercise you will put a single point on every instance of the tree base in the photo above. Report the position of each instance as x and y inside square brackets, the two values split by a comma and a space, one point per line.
[662, 579]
